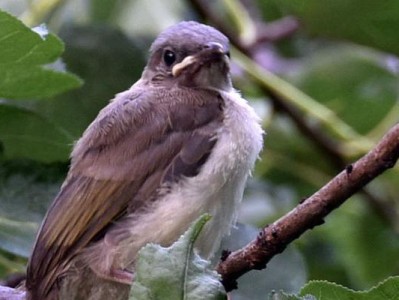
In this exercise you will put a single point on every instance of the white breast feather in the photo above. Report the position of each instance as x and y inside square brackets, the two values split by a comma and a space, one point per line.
[217, 189]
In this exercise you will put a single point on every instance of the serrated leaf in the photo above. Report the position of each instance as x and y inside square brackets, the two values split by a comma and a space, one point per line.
[23, 54]
[176, 272]
[388, 289]
[283, 296]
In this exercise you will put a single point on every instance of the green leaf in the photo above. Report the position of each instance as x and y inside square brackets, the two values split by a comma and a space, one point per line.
[26, 189]
[176, 272]
[353, 82]
[363, 244]
[17, 236]
[45, 130]
[367, 22]
[24, 81]
[26, 134]
[23, 56]
[85, 46]
[283, 296]
[104, 10]
[302, 168]
[388, 289]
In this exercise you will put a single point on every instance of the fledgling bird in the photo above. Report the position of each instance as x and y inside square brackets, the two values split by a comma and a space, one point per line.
[179, 143]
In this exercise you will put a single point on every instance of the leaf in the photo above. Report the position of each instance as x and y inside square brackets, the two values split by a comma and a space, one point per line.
[45, 130]
[367, 22]
[176, 272]
[24, 54]
[353, 82]
[362, 243]
[85, 47]
[388, 289]
[302, 167]
[17, 236]
[283, 296]
[104, 11]
[26, 189]
[26, 134]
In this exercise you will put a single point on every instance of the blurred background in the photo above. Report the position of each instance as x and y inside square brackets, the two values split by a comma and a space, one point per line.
[322, 74]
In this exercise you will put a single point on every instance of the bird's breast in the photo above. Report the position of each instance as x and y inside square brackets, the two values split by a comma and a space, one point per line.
[217, 189]
[219, 186]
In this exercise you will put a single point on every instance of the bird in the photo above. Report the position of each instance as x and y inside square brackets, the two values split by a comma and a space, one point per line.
[180, 142]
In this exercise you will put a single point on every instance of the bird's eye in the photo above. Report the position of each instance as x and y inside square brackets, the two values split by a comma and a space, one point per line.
[169, 57]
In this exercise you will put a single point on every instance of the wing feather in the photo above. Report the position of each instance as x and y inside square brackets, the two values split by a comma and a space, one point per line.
[136, 144]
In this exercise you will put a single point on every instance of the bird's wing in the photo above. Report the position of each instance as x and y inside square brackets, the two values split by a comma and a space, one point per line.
[136, 144]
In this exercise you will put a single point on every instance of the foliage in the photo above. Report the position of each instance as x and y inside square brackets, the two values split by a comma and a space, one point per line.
[317, 290]
[23, 52]
[331, 291]
[339, 70]
[176, 272]
[25, 73]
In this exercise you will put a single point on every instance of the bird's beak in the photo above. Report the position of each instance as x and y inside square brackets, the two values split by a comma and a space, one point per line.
[212, 51]
[178, 68]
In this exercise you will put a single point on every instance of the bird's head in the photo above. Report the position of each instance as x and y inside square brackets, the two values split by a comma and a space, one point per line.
[192, 55]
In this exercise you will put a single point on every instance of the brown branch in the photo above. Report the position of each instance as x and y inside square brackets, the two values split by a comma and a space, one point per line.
[274, 238]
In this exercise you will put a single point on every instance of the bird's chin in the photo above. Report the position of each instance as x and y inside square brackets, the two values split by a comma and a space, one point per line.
[206, 70]
[213, 76]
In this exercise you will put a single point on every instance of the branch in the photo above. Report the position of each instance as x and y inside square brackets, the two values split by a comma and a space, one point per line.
[274, 238]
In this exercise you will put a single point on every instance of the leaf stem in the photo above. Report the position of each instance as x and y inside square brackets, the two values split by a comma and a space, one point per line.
[304, 102]
[38, 11]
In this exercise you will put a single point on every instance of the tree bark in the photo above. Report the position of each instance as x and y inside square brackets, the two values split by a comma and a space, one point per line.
[274, 238]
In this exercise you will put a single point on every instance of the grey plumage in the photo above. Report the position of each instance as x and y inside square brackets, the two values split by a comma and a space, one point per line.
[140, 171]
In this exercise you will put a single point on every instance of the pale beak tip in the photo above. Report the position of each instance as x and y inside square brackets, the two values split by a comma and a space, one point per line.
[178, 68]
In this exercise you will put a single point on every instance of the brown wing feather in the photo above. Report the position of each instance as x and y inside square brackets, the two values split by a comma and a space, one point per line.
[133, 146]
